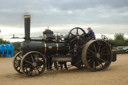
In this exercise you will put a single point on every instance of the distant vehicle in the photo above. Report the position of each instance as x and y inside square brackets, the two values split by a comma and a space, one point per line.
[126, 49]
[121, 51]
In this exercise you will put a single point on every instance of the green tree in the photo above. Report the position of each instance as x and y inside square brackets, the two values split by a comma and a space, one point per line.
[17, 46]
[3, 41]
[119, 36]
[120, 40]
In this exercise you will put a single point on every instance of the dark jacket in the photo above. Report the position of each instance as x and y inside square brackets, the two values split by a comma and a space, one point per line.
[91, 34]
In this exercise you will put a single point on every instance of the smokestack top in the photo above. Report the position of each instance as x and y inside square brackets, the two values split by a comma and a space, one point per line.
[27, 16]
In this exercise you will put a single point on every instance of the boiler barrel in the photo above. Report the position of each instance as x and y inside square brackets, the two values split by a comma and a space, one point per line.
[47, 48]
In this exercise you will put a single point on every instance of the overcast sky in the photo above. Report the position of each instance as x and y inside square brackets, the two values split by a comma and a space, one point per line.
[104, 16]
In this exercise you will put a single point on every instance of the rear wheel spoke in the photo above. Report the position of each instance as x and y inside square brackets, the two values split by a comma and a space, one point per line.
[95, 48]
[106, 54]
[91, 51]
[102, 60]
[94, 64]
[103, 48]
[99, 47]
[100, 63]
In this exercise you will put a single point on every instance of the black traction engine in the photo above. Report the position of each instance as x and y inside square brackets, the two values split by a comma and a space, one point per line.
[76, 48]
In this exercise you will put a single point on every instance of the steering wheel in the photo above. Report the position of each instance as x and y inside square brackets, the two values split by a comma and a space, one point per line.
[104, 37]
[77, 37]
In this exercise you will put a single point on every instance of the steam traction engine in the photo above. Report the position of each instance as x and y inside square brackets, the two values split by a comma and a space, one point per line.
[77, 48]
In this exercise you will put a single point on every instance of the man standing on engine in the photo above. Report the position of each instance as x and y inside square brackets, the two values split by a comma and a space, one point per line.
[91, 34]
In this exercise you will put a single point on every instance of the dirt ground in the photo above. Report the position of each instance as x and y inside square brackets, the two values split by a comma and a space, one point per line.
[116, 74]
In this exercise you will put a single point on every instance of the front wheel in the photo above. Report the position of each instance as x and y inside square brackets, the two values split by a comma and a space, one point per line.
[16, 61]
[33, 63]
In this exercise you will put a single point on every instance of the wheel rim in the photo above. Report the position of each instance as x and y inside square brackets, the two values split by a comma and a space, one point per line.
[16, 61]
[96, 55]
[33, 63]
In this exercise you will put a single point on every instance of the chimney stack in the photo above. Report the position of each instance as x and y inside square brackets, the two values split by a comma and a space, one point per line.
[27, 27]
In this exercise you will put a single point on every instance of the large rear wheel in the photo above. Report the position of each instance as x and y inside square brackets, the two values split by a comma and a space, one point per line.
[96, 55]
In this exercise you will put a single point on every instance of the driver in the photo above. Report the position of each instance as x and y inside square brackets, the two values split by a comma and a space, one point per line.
[91, 34]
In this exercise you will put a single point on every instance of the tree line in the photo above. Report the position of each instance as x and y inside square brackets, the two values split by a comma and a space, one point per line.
[119, 40]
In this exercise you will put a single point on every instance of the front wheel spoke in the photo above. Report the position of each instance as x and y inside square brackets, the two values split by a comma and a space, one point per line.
[40, 62]
[28, 61]
[19, 57]
[34, 71]
[37, 69]
[36, 59]
[27, 65]
[32, 58]
[30, 72]
[17, 68]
